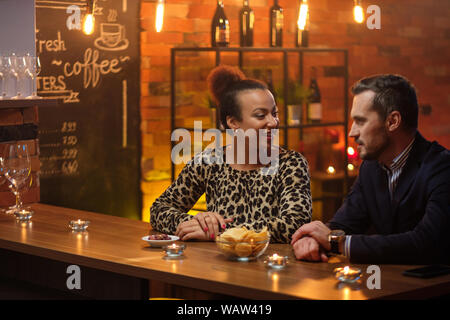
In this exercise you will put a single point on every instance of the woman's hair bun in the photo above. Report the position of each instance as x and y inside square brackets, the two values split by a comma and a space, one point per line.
[221, 78]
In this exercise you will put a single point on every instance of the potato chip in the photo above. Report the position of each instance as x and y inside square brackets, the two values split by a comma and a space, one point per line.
[243, 249]
[243, 242]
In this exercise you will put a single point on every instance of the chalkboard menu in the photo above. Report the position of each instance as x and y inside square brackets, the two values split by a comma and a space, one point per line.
[90, 144]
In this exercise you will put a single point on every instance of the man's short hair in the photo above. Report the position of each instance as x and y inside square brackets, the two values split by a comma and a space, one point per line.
[392, 93]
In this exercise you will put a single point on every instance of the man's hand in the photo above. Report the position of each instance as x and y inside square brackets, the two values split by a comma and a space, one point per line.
[316, 230]
[308, 249]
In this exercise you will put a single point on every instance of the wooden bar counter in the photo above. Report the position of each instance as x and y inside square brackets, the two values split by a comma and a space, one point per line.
[116, 264]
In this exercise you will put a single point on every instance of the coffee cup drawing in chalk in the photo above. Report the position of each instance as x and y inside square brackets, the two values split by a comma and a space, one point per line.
[112, 37]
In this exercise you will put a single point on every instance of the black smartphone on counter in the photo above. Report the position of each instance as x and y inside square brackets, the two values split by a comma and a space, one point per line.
[428, 271]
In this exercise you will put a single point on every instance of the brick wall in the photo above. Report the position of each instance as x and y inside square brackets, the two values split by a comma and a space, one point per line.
[20, 125]
[414, 40]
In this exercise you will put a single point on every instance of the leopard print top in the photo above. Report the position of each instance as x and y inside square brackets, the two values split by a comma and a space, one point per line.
[280, 201]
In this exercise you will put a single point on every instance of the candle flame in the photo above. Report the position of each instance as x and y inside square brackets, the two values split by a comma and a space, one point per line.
[346, 270]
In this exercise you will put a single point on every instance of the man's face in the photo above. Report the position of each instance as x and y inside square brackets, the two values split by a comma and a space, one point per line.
[368, 130]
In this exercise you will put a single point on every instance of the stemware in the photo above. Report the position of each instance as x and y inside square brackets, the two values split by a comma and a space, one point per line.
[17, 170]
[10, 76]
[34, 67]
[24, 77]
[2, 170]
[2, 80]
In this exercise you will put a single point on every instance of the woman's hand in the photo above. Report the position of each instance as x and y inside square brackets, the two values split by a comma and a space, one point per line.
[212, 223]
[204, 226]
[191, 230]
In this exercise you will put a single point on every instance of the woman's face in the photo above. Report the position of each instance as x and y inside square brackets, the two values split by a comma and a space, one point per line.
[258, 111]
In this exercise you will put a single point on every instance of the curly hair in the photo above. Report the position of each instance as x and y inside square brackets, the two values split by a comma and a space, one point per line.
[225, 83]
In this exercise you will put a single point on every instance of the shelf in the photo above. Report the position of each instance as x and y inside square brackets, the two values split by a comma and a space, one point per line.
[257, 49]
[324, 199]
[27, 103]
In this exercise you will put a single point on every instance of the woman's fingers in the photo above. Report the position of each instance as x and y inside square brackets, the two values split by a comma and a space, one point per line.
[201, 219]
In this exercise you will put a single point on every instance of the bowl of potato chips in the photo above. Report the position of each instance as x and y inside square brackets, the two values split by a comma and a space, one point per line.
[242, 244]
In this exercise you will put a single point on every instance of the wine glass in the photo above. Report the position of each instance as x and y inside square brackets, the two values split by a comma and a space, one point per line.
[10, 76]
[34, 67]
[23, 77]
[2, 79]
[17, 169]
[2, 169]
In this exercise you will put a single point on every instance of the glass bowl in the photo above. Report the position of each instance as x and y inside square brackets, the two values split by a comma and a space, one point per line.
[242, 250]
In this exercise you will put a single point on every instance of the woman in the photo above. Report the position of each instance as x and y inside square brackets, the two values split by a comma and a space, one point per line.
[238, 193]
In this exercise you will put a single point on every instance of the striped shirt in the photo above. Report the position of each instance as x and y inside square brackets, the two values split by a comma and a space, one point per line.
[396, 167]
[393, 173]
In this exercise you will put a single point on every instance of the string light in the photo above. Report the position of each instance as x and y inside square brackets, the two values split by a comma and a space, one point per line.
[89, 20]
[303, 15]
[358, 13]
[159, 15]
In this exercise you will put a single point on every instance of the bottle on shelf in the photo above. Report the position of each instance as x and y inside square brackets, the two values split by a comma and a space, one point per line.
[220, 27]
[257, 74]
[276, 25]
[314, 107]
[246, 21]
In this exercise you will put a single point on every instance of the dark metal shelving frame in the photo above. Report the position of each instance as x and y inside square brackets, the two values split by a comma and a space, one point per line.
[285, 51]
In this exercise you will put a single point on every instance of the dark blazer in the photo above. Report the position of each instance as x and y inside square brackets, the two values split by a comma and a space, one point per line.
[411, 228]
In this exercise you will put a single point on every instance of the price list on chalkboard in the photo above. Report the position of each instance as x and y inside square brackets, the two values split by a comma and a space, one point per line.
[90, 144]
[61, 154]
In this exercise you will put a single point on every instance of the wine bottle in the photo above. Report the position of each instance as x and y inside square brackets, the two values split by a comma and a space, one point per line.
[246, 21]
[276, 25]
[220, 27]
[314, 107]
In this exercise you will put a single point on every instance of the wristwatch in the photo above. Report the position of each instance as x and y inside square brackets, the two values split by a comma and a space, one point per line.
[336, 237]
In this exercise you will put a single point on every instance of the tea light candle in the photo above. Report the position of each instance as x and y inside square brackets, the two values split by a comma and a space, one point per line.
[23, 215]
[174, 250]
[347, 274]
[79, 225]
[276, 261]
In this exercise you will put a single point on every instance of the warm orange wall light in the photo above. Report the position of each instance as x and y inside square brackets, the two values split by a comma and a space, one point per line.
[358, 13]
[89, 20]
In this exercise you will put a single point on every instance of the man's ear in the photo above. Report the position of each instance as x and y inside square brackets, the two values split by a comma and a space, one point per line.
[232, 123]
[393, 121]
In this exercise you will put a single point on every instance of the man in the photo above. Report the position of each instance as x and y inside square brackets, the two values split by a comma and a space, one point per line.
[402, 191]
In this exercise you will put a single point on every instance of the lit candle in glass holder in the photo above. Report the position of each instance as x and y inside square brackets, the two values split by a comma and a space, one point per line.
[174, 250]
[331, 170]
[276, 261]
[347, 274]
[23, 214]
[78, 225]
